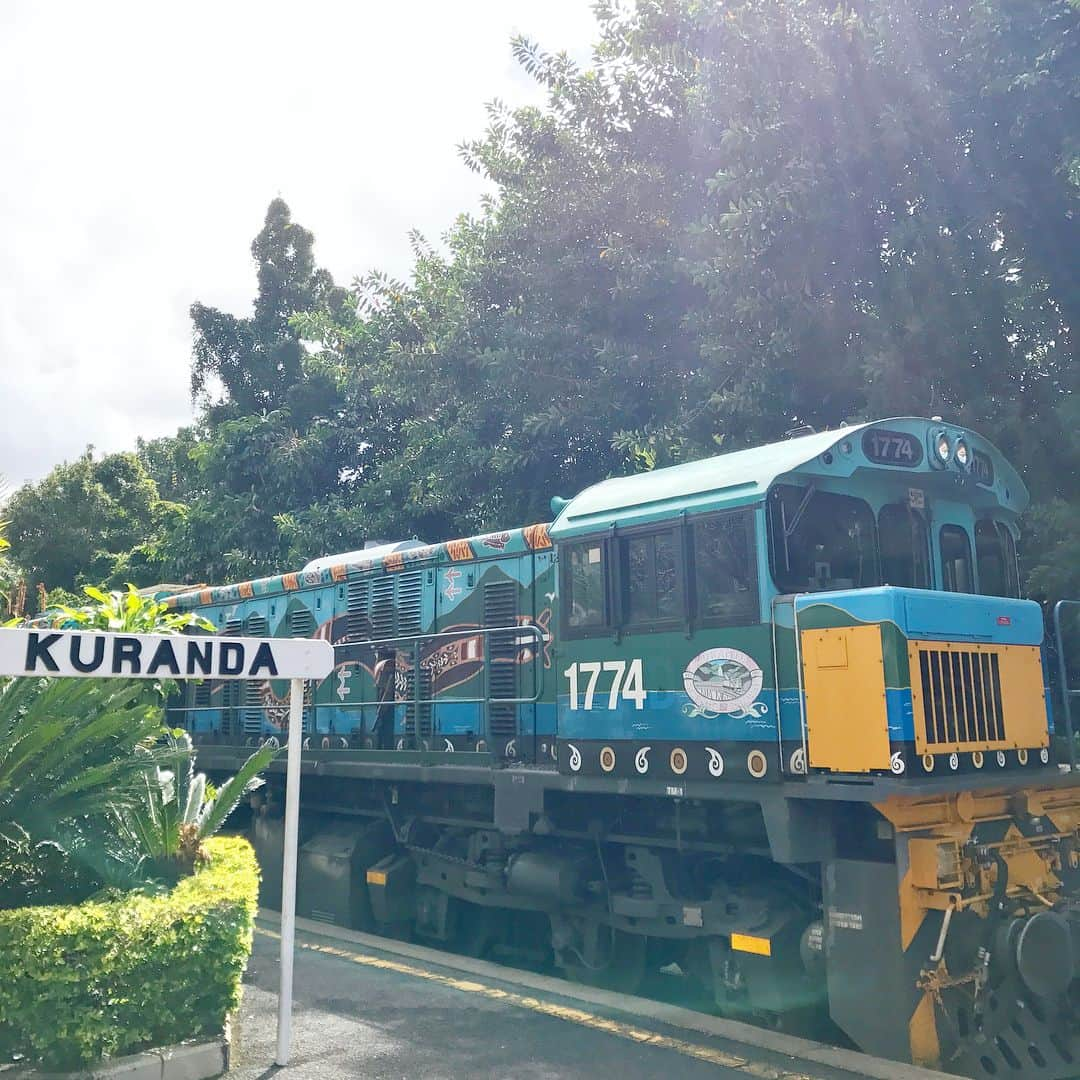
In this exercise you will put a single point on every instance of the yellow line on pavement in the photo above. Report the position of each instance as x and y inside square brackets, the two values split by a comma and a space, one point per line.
[550, 1008]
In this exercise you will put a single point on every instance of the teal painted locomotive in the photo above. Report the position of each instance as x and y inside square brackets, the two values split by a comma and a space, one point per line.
[778, 716]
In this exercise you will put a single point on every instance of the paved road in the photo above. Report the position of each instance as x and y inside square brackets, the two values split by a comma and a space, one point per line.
[360, 1012]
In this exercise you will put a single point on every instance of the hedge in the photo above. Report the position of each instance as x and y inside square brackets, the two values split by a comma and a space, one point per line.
[100, 979]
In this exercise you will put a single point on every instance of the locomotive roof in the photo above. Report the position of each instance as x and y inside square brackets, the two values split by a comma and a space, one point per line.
[744, 476]
[387, 557]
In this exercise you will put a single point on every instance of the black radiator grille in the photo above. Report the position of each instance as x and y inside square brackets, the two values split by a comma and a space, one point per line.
[961, 697]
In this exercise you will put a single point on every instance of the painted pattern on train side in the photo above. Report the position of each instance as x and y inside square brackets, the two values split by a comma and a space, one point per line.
[434, 607]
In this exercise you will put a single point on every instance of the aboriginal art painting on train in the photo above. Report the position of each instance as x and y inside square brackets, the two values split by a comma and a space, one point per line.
[441, 645]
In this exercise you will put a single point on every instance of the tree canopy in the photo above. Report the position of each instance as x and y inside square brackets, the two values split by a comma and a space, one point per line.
[742, 216]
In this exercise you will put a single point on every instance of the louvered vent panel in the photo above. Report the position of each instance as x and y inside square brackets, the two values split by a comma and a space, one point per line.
[308, 712]
[301, 622]
[233, 628]
[230, 708]
[257, 626]
[200, 699]
[409, 593]
[382, 607]
[253, 714]
[500, 609]
[359, 609]
[414, 711]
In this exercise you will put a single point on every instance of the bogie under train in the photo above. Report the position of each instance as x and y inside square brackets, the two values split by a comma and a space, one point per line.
[779, 716]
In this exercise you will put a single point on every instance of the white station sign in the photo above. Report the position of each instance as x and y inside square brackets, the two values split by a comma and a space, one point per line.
[98, 654]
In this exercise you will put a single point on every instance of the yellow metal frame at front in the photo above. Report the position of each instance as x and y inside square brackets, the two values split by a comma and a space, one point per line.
[1023, 697]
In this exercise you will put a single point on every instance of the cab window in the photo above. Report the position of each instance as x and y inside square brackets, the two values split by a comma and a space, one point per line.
[995, 555]
[904, 543]
[956, 560]
[821, 540]
[652, 585]
[725, 569]
[584, 584]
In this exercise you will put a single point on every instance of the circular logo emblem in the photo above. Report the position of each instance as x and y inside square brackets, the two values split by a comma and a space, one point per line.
[1044, 755]
[641, 760]
[757, 764]
[977, 759]
[1022, 756]
[677, 761]
[1000, 758]
[954, 761]
[716, 761]
[928, 762]
[723, 680]
[607, 759]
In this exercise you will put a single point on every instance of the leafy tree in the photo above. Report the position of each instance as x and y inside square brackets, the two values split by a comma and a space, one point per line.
[743, 217]
[275, 433]
[98, 520]
[740, 218]
[254, 363]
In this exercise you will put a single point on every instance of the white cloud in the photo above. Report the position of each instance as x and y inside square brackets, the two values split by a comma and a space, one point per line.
[140, 144]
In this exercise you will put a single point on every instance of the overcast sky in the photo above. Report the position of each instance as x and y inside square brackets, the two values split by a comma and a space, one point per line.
[141, 142]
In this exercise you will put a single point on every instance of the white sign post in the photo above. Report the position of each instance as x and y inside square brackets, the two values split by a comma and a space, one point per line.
[90, 654]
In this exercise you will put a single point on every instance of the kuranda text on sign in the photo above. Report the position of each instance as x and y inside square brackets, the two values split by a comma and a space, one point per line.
[97, 654]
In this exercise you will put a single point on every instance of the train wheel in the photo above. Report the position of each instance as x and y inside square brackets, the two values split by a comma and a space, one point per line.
[482, 930]
[609, 959]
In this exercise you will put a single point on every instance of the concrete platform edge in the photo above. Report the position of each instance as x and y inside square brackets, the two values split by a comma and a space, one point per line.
[852, 1061]
[200, 1060]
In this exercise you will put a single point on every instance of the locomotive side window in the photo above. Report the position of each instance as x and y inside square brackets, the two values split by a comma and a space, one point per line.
[995, 553]
[585, 585]
[956, 560]
[725, 569]
[905, 547]
[820, 540]
[651, 578]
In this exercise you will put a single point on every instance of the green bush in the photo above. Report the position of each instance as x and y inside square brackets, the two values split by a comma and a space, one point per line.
[100, 979]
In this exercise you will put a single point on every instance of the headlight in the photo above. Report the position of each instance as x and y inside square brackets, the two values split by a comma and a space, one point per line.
[963, 454]
[942, 447]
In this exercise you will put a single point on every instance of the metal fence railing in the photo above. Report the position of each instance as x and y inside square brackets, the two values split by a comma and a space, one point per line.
[419, 647]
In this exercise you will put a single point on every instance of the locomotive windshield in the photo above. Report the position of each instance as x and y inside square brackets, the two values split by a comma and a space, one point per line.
[821, 540]
[904, 541]
[995, 553]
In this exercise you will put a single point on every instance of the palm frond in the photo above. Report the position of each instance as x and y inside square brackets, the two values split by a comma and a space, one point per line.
[217, 809]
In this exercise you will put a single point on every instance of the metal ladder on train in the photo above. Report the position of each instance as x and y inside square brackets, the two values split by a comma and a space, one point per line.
[1066, 633]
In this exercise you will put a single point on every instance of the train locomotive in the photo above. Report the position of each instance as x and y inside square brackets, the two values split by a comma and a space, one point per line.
[779, 717]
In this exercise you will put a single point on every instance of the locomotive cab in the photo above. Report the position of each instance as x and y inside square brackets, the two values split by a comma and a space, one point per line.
[845, 603]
